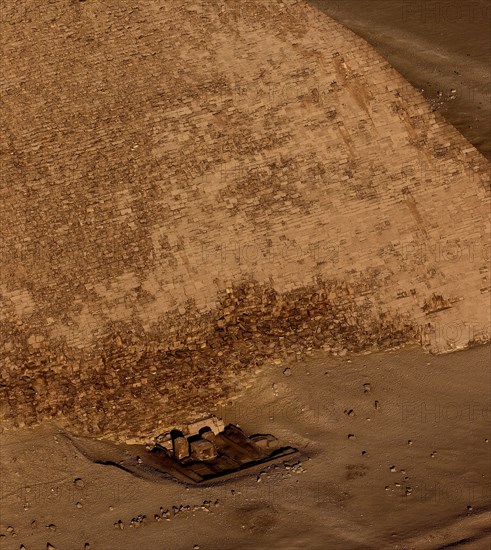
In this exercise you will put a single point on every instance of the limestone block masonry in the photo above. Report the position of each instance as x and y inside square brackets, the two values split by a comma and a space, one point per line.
[191, 190]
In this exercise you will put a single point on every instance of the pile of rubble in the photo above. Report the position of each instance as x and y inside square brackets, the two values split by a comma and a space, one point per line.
[132, 384]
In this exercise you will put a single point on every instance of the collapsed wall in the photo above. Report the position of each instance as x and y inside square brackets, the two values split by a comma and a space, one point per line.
[192, 191]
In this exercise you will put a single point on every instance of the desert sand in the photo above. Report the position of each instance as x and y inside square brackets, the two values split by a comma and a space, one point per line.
[413, 475]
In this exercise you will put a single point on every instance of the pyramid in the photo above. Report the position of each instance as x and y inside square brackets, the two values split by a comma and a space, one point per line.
[192, 191]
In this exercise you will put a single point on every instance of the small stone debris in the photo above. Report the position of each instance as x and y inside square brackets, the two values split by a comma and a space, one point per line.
[351, 436]
[470, 508]
[287, 371]
[393, 469]
[367, 387]
[10, 529]
[433, 454]
[349, 412]
[409, 442]
[119, 524]
[51, 526]
[87, 546]
[295, 467]
[364, 453]
[50, 547]
[408, 491]
[157, 517]
[377, 405]
[79, 505]
[79, 483]
[22, 547]
[138, 521]
[34, 524]
[196, 547]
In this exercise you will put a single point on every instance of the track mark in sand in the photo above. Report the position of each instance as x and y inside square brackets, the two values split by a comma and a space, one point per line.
[463, 542]
[259, 517]
[356, 470]
[464, 530]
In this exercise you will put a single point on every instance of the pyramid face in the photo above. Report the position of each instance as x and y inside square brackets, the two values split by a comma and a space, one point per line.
[191, 191]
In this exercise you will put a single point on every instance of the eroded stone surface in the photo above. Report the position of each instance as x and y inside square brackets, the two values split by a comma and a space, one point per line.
[189, 191]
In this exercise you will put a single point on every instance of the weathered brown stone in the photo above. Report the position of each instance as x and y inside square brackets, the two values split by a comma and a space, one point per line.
[162, 236]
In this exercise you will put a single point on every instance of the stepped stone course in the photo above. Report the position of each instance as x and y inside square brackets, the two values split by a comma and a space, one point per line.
[193, 190]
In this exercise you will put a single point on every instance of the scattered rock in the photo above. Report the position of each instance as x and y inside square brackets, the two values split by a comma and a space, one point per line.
[351, 436]
[287, 371]
[409, 442]
[34, 524]
[377, 405]
[138, 521]
[393, 469]
[367, 387]
[50, 547]
[79, 505]
[79, 483]
[51, 526]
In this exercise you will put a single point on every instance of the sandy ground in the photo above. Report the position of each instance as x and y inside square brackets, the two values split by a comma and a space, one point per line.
[394, 454]
[449, 46]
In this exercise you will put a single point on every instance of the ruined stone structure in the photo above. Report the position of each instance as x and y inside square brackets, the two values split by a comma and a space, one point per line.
[192, 189]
